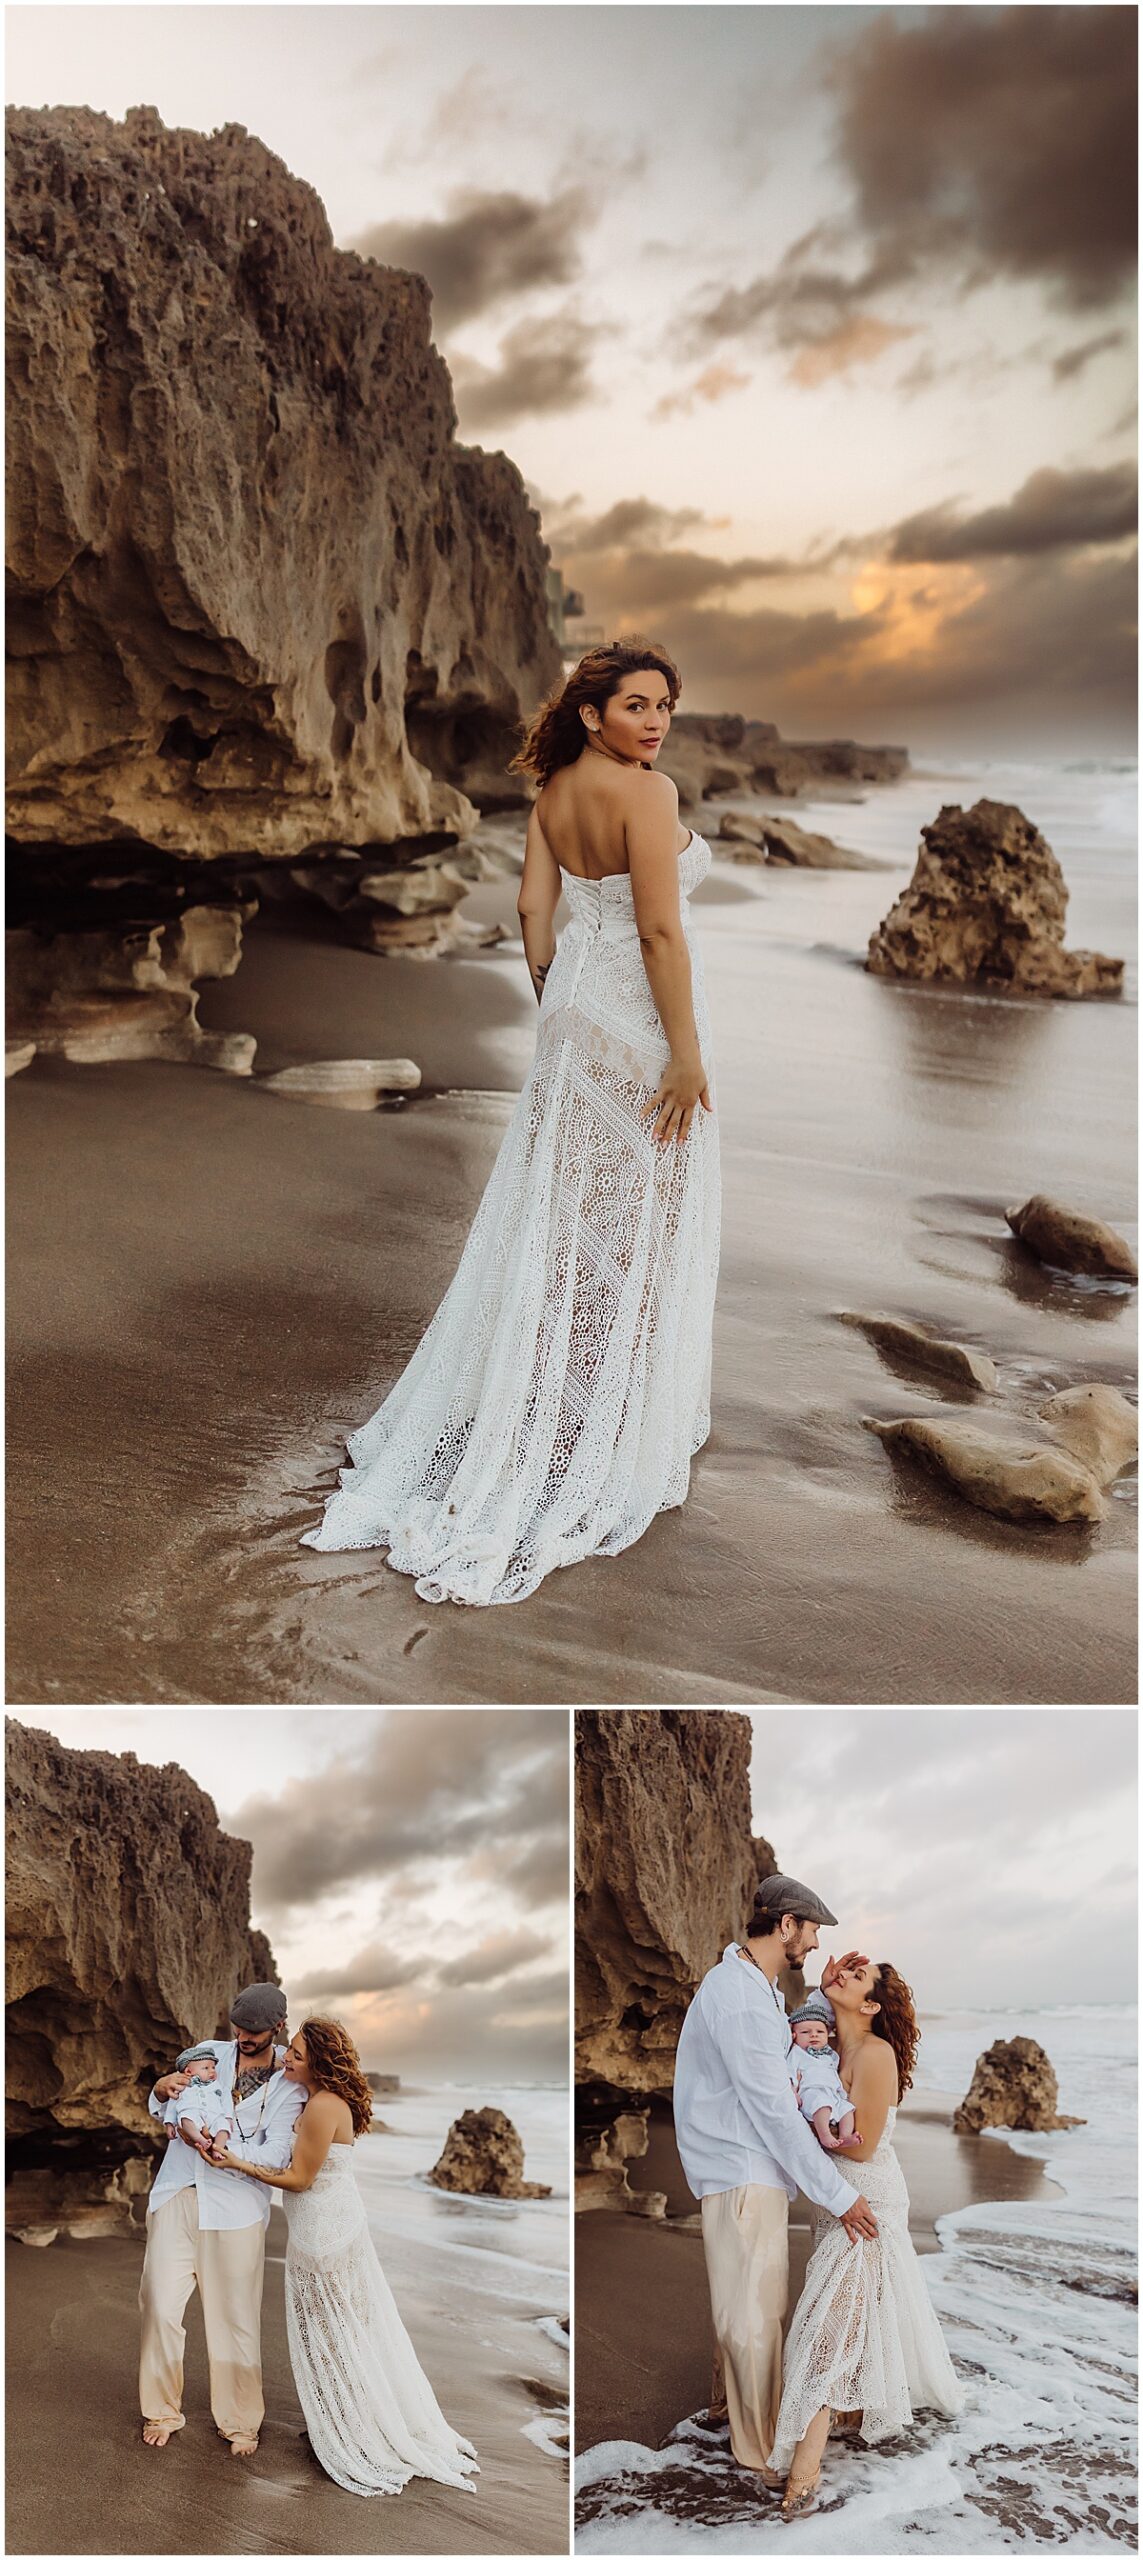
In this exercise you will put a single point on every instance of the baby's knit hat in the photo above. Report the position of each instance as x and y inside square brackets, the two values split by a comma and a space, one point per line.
[815, 2011]
[196, 2053]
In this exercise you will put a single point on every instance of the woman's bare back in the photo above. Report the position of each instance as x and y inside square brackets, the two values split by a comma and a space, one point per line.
[582, 811]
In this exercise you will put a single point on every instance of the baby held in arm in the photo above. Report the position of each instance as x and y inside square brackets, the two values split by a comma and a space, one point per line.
[199, 2107]
[816, 2077]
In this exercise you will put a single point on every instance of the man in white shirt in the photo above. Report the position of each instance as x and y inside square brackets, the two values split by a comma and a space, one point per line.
[746, 2150]
[206, 2226]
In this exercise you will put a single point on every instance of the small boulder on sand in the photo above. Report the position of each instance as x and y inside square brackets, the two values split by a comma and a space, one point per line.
[484, 2156]
[1066, 1239]
[766, 839]
[344, 1084]
[987, 900]
[601, 2183]
[1013, 2084]
[914, 1348]
[1094, 1435]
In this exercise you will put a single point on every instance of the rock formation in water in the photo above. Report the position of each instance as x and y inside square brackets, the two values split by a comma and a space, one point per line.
[987, 900]
[908, 1347]
[128, 1936]
[1013, 2084]
[384, 2084]
[709, 753]
[1068, 1241]
[605, 2144]
[665, 1875]
[261, 602]
[1092, 1434]
[484, 2156]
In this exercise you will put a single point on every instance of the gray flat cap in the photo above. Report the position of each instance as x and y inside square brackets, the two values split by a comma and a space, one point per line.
[815, 2011]
[261, 2006]
[784, 1893]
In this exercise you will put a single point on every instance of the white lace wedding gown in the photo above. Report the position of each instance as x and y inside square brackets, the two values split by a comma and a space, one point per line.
[557, 1398]
[865, 2334]
[370, 2413]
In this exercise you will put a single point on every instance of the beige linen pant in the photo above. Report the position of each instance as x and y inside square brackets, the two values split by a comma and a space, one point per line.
[227, 2267]
[745, 2238]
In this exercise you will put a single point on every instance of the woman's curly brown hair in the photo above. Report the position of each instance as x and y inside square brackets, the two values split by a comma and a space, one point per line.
[334, 2063]
[556, 735]
[896, 2022]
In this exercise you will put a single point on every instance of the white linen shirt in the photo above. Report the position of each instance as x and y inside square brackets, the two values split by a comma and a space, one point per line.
[821, 2081]
[263, 2131]
[736, 2116]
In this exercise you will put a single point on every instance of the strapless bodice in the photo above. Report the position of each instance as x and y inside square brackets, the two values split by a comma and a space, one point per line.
[607, 907]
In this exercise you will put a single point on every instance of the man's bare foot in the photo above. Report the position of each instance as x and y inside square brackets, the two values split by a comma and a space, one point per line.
[244, 2444]
[154, 2432]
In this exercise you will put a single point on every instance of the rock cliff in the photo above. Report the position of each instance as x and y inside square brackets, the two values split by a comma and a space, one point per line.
[262, 606]
[987, 900]
[665, 1874]
[708, 753]
[1013, 2084]
[129, 1932]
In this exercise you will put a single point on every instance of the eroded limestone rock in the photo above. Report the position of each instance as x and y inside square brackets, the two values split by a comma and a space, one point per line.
[18, 1054]
[1092, 1434]
[128, 1935]
[987, 900]
[260, 599]
[911, 1346]
[1097, 1425]
[665, 1875]
[602, 2184]
[1065, 1238]
[344, 1084]
[129, 992]
[484, 2156]
[779, 840]
[708, 753]
[1013, 2084]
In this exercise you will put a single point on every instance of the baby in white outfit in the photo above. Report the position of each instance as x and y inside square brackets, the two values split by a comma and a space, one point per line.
[820, 2095]
[201, 2105]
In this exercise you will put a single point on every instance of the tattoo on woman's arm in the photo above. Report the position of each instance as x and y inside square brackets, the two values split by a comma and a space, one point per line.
[539, 974]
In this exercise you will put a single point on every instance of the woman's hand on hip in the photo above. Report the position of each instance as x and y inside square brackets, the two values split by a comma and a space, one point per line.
[682, 1088]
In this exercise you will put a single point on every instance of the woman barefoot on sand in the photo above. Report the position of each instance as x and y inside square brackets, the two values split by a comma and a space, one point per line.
[372, 2419]
[563, 1387]
[865, 2343]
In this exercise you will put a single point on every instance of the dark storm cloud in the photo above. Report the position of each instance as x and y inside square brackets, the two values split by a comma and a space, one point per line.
[1053, 511]
[377, 1968]
[452, 1784]
[1000, 142]
[544, 369]
[981, 144]
[486, 248]
[1074, 360]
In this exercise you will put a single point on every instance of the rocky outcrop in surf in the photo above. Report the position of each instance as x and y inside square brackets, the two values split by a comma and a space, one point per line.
[484, 2156]
[708, 753]
[987, 900]
[129, 1933]
[1013, 2084]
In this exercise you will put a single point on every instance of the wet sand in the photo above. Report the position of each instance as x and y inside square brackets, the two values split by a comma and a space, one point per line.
[80, 2478]
[209, 1286]
[642, 2310]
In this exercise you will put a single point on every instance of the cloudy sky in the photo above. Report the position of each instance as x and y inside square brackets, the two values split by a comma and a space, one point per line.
[988, 1853]
[410, 1867]
[810, 329]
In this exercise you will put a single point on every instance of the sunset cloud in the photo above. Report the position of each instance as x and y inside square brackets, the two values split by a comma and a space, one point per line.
[544, 368]
[1054, 510]
[485, 249]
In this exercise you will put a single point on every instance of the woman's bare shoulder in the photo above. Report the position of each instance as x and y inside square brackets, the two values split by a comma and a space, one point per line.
[326, 2107]
[877, 2064]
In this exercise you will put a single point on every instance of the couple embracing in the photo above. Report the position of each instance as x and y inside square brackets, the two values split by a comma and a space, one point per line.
[756, 2119]
[241, 2117]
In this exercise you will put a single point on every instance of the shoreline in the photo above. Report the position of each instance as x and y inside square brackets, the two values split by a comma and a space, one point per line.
[213, 1285]
[639, 2280]
[72, 2324]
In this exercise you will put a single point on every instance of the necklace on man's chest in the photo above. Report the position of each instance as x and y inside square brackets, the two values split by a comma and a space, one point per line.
[246, 2082]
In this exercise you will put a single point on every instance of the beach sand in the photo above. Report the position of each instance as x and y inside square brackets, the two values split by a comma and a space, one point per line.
[642, 2309]
[80, 2478]
[209, 1286]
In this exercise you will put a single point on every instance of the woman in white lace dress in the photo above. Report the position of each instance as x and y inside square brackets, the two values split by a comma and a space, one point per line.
[557, 1398]
[865, 2347]
[372, 2418]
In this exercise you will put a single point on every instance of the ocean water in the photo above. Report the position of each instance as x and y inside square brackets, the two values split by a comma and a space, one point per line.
[1038, 2306]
